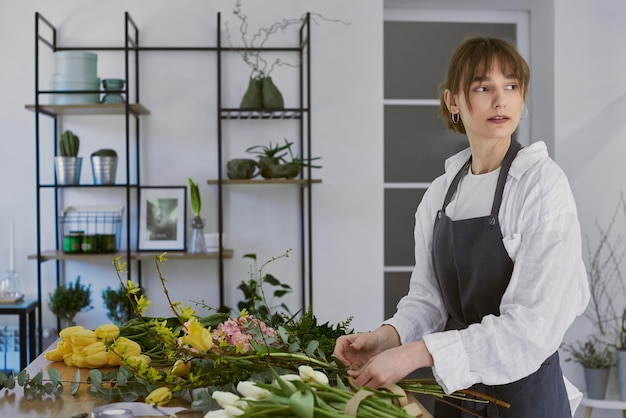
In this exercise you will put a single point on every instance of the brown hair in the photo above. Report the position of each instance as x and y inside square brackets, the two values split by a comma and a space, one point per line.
[474, 57]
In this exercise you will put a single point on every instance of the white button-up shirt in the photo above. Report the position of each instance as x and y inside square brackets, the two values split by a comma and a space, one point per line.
[548, 286]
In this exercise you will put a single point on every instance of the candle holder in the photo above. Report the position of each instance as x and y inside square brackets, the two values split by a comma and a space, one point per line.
[10, 288]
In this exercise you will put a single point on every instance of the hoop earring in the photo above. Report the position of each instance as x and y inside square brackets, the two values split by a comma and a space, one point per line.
[524, 113]
[455, 117]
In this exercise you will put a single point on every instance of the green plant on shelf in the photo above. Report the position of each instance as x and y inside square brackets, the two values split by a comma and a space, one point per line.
[67, 301]
[68, 144]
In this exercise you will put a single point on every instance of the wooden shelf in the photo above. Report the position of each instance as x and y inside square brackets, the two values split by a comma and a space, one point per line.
[89, 109]
[301, 182]
[134, 255]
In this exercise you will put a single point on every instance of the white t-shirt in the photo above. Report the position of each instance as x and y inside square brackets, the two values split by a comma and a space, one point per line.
[474, 196]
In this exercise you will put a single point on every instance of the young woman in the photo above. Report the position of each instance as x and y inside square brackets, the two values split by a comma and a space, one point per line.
[499, 275]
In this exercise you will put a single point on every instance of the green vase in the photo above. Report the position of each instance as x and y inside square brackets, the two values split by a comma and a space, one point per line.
[272, 98]
[252, 97]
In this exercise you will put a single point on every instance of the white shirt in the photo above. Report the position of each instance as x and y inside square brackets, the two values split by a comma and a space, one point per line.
[547, 290]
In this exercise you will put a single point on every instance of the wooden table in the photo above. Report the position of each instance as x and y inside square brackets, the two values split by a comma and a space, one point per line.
[13, 403]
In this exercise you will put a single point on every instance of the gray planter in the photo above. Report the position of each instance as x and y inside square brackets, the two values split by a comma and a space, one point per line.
[621, 373]
[68, 169]
[104, 169]
[596, 381]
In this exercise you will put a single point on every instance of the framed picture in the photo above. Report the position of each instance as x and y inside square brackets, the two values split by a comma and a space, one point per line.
[162, 218]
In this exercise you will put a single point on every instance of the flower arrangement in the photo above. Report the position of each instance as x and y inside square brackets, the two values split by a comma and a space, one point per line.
[158, 359]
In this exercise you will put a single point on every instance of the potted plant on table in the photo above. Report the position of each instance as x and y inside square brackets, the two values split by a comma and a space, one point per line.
[67, 163]
[67, 301]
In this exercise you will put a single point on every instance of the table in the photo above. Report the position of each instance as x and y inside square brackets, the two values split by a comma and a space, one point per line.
[14, 404]
[25, 309]
[613, 404]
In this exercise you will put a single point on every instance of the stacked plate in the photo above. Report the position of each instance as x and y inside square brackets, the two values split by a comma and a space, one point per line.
[75, 70]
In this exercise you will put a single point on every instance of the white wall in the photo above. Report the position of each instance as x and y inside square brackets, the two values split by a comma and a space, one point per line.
[179, 141]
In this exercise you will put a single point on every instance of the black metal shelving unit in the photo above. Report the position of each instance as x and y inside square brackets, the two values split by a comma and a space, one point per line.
[133, 109]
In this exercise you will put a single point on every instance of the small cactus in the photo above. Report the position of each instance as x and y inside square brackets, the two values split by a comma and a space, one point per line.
[68, 144]
[104, 152]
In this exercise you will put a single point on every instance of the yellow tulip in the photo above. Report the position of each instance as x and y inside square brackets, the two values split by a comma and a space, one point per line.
[114, 359]
[125, 347]
[64, 347]
[159, 397]
[78, 360]
[54, 355]
[83, 338]
[181, 368]
[96, 360]
[107, 332]
[94, 348]
[67, 332]
[67, 359]
[198, 337]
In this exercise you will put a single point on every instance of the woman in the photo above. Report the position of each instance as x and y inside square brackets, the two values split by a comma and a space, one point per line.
[498, 274]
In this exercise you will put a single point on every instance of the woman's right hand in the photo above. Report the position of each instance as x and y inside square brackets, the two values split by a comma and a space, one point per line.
[355, 350]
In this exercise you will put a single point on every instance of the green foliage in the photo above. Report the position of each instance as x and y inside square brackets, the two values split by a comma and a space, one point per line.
[104, 152]
[118, 306]
[196, 203]
[591, 353]
[66, 301]
[307, 330]
[271, 151]
[255, 302]
[69, 144]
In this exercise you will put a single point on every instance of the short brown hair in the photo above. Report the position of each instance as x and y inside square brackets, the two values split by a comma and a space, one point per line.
[474, 57]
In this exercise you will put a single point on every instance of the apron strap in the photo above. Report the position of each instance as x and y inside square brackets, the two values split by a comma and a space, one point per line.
[504, 172]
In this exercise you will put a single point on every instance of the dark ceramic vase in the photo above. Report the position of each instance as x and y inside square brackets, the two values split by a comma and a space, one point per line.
[252, 98]
[272, 98]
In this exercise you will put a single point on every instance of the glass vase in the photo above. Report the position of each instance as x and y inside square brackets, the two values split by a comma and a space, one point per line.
[196, 239]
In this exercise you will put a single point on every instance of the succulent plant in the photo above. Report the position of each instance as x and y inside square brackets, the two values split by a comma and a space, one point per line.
[104, 152]
[68, 144]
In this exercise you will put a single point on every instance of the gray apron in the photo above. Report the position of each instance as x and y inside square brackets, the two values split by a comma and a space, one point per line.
[473, 270]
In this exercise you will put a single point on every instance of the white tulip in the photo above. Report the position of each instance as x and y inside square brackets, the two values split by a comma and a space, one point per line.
[226, 398]
[309, 375]
[233, 411]
[252, 391]
[219, 413]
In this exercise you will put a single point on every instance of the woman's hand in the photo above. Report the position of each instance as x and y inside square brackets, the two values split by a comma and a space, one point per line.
[392, 365]
[356, 350]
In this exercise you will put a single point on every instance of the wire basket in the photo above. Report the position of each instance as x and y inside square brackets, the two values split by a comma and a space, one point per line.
[91, 229]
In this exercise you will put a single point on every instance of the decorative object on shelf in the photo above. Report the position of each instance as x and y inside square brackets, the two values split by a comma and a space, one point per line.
[67, 301]
[68, 164]
[111, 85]
[212, 241]
[104, 166]
[262, 93]
[75, 70]
[91, 229]
[196, 241]
[10, 289]
[162, 218]
[273, 164]
[242, 168]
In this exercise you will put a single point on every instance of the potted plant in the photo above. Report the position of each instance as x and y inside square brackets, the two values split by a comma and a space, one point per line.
[197, 244]
[67, 163]
[274, 164]
[104, 166]
[118, 306]
[596, 358]
[66, 301]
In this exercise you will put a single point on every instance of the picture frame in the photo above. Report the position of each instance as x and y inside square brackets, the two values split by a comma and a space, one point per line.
[162, 218]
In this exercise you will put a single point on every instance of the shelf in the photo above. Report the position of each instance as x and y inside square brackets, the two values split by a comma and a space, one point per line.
[262, 113]
[90, 109]
[87, 185]
[302, 182]
[134, 255]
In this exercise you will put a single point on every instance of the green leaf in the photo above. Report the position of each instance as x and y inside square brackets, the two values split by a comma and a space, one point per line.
[75, 383]
[196, 204]
[96, 378]
[54, 376]
[250, 255]
[302, 404]
[22, 377]
[310, 349]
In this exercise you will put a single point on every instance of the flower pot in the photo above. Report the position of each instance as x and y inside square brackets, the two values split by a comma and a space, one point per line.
[596, 381]
[241, 169]
[68, 169]
[252, 97]
[103, 169]
[272, 98]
